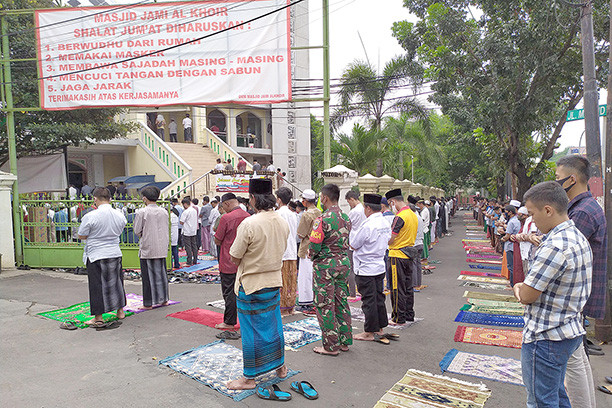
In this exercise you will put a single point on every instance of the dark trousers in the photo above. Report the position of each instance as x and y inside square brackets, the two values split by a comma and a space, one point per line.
[175, 257]
[173, 137]
[191, 248]
[230, 315]
[417, 268]
[372, 302]
[510, 263]
[402, 295]
[199, 237]
[351, 277]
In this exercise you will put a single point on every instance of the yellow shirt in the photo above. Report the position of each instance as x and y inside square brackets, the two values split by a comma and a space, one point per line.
[260, 243]
[404, 228]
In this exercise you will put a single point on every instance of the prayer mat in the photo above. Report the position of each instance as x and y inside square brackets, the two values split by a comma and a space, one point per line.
[490, 256]
[134, 303]
[301, 332]
[486, 302]
[78, 313]
[481, 266]
[494, 368]
[500, 310]
[488, 279]
[489, 336]
[489, 319]
[357, 314]
[200, 266]
[490, 296]
[478, 273]
[219, 304]
[201, 316]
[419, 389]
[485, 285]
[216, 364]
[484, 261]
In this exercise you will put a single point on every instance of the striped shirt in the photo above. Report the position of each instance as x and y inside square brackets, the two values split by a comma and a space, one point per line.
[561, 270]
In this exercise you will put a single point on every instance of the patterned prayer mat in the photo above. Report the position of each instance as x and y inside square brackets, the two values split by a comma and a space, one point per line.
[490, 337]
[487, 279]
[134, 303]
[200, 316]
[487, 302]
[214, 365]
[483, 366]
[482, 266]
[500, 310]
[419, 389]
[200, 266]
[484, 261]
[490, 296]
[357, 314]
[485, 285]
[219, 304]
[78, 313]
[301, 332]
[489, 319]
[481, 273]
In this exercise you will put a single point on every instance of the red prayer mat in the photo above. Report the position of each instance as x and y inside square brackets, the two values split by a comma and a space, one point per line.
[491, 337]
[478, 273]
[201, 316]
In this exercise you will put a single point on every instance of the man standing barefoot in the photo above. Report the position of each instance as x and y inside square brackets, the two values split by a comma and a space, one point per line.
[101, 229]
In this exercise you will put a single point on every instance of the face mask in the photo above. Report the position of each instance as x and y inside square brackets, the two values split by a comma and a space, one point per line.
[567, 189]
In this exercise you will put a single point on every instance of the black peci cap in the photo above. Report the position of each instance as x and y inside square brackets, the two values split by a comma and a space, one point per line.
[260, 186]
[372, 199]
[394, 194]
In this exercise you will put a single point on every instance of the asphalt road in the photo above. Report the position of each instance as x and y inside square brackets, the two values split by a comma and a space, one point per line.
[43, 366]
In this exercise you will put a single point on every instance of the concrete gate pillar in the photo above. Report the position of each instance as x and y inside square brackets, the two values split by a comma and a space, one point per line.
[7, 245]
[344, 178]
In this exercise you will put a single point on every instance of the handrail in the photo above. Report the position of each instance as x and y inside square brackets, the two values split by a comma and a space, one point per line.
[164, 154]
[293, 185]
[225, 151]
[188, 186]
[169, 189]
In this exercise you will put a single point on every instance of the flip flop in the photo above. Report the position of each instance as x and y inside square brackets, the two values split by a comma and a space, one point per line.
[609, 379]
[305, 388]
[381, 339]
[605, 388]
[272, 393]
[326, 354]
[69, 325]
[101, 325]
[229, 335]
[391, 336]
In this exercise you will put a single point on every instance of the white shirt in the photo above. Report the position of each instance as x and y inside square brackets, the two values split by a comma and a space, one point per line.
[527, 247]
[102, 227]
[219, 166]
[370, 245]
[212, 218]
[357, 217]
[174, 220]
[271, 168]
[187, 123]
[160, 121]
[437, 207]
[291, 218]
[420, 232]
[189, 218]
[425, 217]
[72, 192]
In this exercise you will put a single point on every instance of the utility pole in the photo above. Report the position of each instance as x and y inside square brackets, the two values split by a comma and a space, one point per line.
[603, 329]
[326, 129]
[412, 168]
[591, 98]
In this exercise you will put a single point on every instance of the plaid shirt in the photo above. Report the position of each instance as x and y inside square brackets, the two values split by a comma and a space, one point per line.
[561, 270]
[591, 221]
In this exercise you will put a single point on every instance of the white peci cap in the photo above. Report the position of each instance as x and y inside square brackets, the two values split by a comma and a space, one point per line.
[515, 203]
[309, 194]
[523, 210]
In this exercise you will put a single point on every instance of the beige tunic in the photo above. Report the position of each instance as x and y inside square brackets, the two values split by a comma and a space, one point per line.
[151, 224]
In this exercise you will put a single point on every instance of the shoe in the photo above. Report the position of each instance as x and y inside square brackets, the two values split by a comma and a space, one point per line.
[309, 311]
[592, 345]
[609, 380]
[594, 352]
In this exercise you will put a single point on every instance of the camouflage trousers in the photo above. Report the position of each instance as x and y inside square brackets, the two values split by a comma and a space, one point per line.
[330, 300]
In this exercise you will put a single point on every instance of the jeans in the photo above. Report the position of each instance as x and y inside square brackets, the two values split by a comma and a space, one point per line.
[510, 263]
[544, 363]
[175, 257]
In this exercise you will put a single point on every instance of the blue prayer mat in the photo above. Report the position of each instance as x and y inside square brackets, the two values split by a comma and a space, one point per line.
[301, 332]
[490, 319]
[216, 364]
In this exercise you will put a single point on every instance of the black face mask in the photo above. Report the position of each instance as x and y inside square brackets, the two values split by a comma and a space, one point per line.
[567, 189]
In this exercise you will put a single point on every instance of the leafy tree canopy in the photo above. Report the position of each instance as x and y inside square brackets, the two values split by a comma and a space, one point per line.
[38, 132]
[510, 75]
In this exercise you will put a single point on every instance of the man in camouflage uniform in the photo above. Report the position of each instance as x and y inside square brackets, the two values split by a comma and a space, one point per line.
[329, 253]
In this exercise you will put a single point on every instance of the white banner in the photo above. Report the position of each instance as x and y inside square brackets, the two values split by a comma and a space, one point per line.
[247, 63]
[36, 174]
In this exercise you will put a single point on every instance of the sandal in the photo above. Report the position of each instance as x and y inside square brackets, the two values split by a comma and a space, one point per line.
[381, 339]
[305, 388]
[605, 388]
[228, 335]
[272, 393]
[69, 325]
[100, 325]
[391, 336]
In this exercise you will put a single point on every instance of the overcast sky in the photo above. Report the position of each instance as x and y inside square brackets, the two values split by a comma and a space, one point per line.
[373, 20]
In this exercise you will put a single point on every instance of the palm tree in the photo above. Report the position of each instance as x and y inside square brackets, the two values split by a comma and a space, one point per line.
[359, 151]
[365, 94]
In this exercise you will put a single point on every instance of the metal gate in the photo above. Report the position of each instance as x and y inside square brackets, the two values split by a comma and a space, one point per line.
[49, 231]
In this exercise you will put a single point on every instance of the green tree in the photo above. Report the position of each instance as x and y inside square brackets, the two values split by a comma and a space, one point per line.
[359, 151]
[39, 132]
[316, 152]
[366, 94]
[514, 72]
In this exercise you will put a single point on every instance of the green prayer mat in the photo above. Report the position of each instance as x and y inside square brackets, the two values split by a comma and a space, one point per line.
[489, 296]
[79, 312]
[503, 310]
